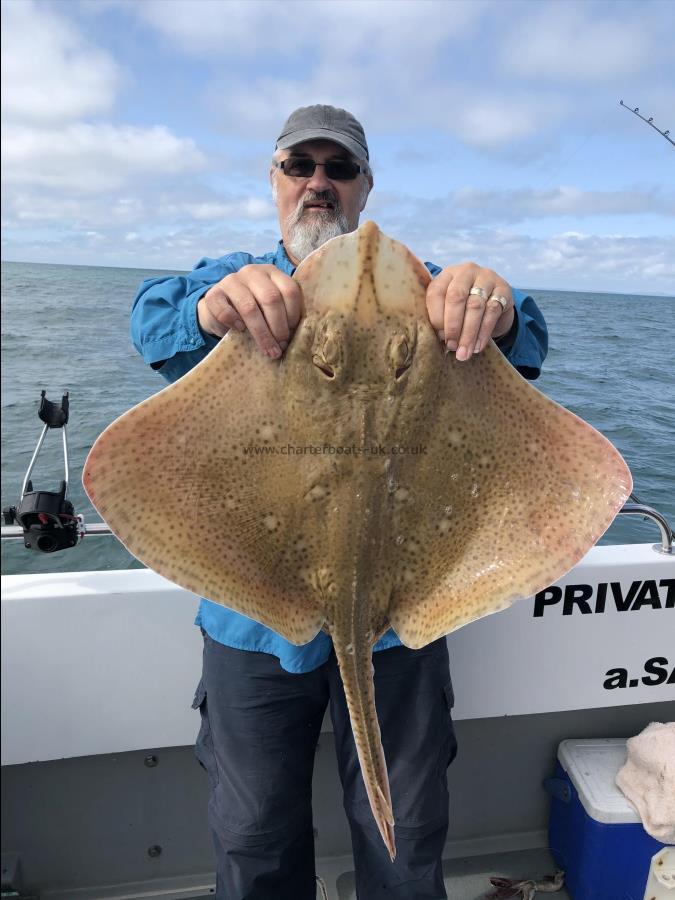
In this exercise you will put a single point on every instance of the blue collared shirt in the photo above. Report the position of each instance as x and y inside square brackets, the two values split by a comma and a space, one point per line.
[165, 331]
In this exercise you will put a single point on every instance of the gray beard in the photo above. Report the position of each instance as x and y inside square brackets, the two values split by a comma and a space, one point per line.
[306, 235]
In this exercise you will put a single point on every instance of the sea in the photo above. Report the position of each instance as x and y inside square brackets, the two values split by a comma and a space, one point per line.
[65, 328]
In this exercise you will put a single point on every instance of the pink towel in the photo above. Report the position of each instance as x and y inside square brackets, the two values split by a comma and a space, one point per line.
[648, 779]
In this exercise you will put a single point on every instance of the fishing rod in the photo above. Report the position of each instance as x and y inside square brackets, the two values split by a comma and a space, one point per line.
[47, 521]
[649, 121]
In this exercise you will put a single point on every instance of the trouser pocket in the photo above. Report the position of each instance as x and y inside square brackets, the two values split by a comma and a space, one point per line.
[449, 750]
[204, 744]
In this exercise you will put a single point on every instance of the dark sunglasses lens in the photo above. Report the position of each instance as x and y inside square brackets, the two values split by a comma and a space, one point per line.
[336, 169]
[341, 169]
[299, 167]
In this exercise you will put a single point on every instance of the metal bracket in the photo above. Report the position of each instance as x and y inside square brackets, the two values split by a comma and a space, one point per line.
[637, 508]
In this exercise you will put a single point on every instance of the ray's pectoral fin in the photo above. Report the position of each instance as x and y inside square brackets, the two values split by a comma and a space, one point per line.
[516, 490]
[194, 485]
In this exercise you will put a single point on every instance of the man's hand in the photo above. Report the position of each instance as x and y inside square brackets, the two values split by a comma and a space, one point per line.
[466, 321]
[260, 299]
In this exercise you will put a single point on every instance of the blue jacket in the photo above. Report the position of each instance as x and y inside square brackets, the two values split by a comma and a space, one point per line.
[165, 331]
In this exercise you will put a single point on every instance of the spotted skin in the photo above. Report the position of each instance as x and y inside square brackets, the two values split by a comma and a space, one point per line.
[212, 484]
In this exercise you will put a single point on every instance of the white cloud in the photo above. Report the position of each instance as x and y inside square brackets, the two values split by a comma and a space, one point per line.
[473, 206]
[396, 65]
[578, 42]
[173, 249]
[26, 208]
[501, 77]
[331, 28]
[494, 120]
[56, 86]
[568, 260]
[564, 261]
[50, 73]
[530, 203]
[252, 208]
[387, 98]
[427, 64]
[83, 157]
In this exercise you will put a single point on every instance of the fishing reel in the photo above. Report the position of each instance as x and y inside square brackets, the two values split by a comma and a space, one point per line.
[47, 519]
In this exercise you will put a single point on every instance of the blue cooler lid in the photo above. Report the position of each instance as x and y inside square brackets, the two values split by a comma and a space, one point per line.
[592, 767]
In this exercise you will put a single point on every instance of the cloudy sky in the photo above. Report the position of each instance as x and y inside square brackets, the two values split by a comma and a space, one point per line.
[139, 132]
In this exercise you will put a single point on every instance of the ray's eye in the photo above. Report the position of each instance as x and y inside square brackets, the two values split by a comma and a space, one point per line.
[328, 357]
[331, 351]
[400, 355]
[327, 370]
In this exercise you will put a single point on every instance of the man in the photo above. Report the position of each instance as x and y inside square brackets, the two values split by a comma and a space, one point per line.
[262, 700]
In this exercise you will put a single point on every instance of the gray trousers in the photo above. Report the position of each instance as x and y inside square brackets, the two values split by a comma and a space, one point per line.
[259, 730]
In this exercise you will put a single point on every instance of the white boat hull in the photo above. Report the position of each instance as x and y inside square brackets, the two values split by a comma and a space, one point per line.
[107, 662]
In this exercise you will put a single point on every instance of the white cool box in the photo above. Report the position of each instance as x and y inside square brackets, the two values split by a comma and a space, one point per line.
[595, 834]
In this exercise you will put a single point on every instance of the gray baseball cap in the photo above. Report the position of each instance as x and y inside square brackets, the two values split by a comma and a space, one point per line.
[328, 123]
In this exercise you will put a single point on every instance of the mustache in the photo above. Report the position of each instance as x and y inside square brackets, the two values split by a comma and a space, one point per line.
[326, 196]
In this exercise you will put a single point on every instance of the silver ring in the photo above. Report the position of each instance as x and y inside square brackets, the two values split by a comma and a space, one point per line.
[501, 299]
[479, 292]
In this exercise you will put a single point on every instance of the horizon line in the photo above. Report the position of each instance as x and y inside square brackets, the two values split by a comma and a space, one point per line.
[25, 262]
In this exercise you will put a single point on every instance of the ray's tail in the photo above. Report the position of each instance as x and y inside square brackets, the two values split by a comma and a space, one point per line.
[356, 668]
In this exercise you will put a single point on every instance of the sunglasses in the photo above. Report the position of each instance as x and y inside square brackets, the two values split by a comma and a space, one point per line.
[305, 166]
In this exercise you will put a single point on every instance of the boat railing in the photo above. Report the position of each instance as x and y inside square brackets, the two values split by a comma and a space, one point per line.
[634, 508]
[638, 508]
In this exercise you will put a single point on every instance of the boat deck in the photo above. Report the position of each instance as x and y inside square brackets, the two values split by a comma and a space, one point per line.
[466, 878]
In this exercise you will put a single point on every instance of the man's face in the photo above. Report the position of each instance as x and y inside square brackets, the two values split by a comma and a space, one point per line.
[313, 210]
